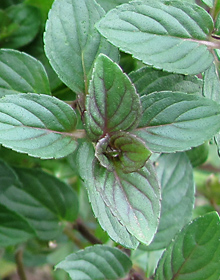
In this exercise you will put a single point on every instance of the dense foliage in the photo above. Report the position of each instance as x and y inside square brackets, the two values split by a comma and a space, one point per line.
[110, 133]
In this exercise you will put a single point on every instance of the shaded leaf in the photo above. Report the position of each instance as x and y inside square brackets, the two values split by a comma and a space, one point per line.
[174, 121]
[112, 103]
[97, 262]
[175, 174]
[194, 253]
[27, 22]
[169, 35]
[21, 73]
[108, 222]
[39, 198]
[72, 43]
[39, 125]
[198, 155]
[133, 198]
[148, 80]
[211, 84]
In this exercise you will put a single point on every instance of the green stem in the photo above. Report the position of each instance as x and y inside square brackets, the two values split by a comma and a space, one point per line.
[212, 11]
[20, 265]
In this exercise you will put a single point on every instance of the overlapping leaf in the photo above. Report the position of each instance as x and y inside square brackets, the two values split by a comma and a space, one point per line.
[174, 121]
[108, 222]
[26, 24]
[40, 199]
[72, 43]
[170, 35]
[97, 262]
[194, 253]
[134, 198]
[21, 73]
[175, 174]
[112, 103]
[108, 5]
[148, 80]
[39, 125]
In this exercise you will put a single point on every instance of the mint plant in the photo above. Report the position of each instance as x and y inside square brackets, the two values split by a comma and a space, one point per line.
[93, 152]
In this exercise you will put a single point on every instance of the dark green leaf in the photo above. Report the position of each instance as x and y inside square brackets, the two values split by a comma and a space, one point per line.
[174, 121]
[133, 198]
[122, 150]
[148, 80]
[169, 35]
[21, 73]
[198, 155]
[98, 262]
[27, 21]
[72, 43]
[108, 222]
[39, 125]
[41, 199]
[6, 3]
[194, 253]
[112, 103]
[13, 228]
[175, 174]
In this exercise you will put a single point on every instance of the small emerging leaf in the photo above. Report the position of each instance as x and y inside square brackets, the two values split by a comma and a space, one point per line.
[170, 35]
[194, 253]
[39, 125]
[98, 262]
[112, 103]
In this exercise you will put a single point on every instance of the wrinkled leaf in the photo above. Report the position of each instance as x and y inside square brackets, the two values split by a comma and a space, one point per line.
[148, 80]
[97, 262]
[169, 35]
[112, 103]
[175, 174]
[194, 253]
[72, 43]
[108, 222]
[174, 121]
[39, 125]
[21, 73]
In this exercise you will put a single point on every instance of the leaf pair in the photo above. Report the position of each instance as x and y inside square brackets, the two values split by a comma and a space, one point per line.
[33, 203]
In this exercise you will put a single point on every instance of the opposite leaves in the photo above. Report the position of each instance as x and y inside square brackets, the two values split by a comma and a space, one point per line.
[39, 125]
[170, 35]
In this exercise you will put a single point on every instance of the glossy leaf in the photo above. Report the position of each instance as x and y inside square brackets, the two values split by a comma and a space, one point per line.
[148, 80]
[27, 23]
[194, 253]
[39, 125]
[72, 43]
[112, 103]
[107, 220]
[133, 198]
[169, 35]
[13, 228]
[174, 121]
[175, 174]
[21, 73]
[97, 262]
[41, 199]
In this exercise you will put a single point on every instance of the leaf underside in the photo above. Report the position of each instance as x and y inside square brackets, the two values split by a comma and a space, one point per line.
[169, 35]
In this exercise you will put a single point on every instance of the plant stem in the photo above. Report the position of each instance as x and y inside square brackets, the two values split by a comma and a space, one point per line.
[69, 232]
[20, 265]
[85, 232]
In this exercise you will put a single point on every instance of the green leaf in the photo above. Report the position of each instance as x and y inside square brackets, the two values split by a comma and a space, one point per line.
[148, 80]
[21, 73]
[98, 262]
[174, 121]
[122, 150]
[108, 5]
[6, 3]
[175, 174]
[198, 155]
[133, 198]
[39, 125]
[112, 103]
[211, 84]
[194, 253]
[209, 3]
[72, 43]
[108, 222]
[27, 21]
[41, 199]
[169, 35]
[13, 228]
